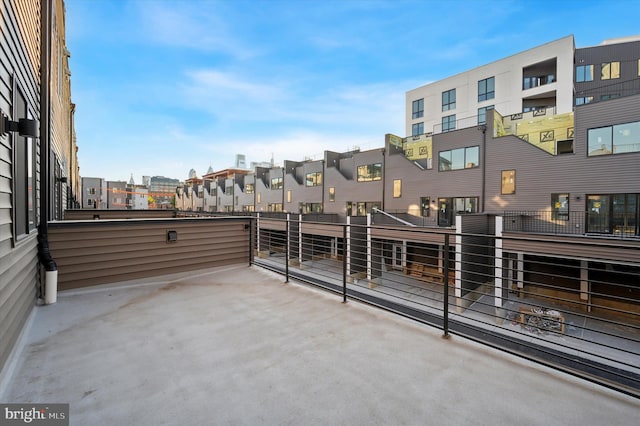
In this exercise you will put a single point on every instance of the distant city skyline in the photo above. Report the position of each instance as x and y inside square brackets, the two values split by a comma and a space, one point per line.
[162, 87]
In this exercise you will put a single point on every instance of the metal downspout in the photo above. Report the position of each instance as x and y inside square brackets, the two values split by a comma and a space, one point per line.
[44, 254]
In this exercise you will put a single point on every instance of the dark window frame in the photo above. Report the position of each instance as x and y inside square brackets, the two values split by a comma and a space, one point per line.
[486, 89]
[449, 100]
[417, 108]
[24, 159]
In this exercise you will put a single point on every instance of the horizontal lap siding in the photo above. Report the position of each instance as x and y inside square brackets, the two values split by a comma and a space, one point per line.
[19, 61]
[99, 252]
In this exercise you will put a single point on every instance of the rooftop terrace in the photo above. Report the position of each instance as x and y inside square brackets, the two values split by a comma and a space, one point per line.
[236, 345]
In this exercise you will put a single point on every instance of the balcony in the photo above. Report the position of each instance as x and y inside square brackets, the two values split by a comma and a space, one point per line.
[152, 330]
[618, 226]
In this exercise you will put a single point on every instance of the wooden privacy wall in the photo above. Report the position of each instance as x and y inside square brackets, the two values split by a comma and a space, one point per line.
[96, 252]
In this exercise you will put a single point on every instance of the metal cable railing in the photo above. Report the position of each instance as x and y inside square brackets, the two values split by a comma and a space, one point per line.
[581, 316]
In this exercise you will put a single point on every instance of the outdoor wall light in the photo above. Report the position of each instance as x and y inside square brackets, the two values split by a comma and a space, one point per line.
[24, 126]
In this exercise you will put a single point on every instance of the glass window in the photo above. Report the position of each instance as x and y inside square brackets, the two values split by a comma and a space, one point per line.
[459, 205]
[444, 160]
[397, 188]
[288, 196]
[417, 109]
[584, 100]
[314, 179]
[449, 100]
[482, 114]
[417, 129]
[461, 158]
[24, 203]
[449, 123]
[618, 139]
[370, 172]
[259, 198]
[609, 96]
[471, 157]
[600, 141]
[610, 70]
[332, 194]
[584, 73]
[626, 138]
[560, 206]
[276, 183]
[486, 89]
[508, 182]
[598, 213]
[457, 159]
[249, 188]
[425, 206]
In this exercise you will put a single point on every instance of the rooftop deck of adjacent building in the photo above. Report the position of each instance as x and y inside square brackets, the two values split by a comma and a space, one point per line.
[235, 345]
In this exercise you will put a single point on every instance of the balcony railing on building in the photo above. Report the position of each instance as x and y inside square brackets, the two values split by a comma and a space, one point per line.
[591, 224]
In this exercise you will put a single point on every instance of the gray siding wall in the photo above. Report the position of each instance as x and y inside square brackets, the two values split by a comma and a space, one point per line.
[350, 189]
[97, 252]
[628, 83]
[539, 174]
[18, 260]
[417, 183]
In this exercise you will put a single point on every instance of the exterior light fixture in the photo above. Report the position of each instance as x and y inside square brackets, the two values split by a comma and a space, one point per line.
[24, 126]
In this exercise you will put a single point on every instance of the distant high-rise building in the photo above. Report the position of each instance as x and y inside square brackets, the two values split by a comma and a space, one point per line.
[241, 161]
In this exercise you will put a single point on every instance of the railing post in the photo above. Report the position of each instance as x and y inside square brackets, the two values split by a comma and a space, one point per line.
[344, 264]
[250, 242]
[286, 252]
[445, 280]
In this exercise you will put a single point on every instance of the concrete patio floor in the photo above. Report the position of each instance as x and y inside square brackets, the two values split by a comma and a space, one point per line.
[238, 346]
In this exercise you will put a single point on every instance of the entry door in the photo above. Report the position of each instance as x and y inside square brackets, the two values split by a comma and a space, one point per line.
[399, 256]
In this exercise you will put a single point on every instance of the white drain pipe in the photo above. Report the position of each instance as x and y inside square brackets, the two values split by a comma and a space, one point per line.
[50, 287]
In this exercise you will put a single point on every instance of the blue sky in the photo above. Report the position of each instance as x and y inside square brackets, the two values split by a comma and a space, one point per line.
[163, 86]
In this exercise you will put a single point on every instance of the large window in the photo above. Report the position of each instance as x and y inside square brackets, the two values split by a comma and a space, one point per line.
[361, 208]
[482, 114]
[560, 206]
[618, 139]
[508, 185]
[613, 214]
[249, 188]
[24, 164]
[276, 183]
[417, 129]
[449, 123]
[449, 100]
[584, 73]
[610, 70]
[314, 179]
[417, 109]
[449, 207]
[486, 89]
[274, 207]
[370, 172]
[461, 158]
[307, 208]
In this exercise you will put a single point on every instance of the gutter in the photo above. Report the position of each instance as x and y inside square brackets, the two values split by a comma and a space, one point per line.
[44, 254]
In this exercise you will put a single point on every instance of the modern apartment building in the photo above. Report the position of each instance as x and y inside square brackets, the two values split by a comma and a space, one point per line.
[507, 148]
[541, 77]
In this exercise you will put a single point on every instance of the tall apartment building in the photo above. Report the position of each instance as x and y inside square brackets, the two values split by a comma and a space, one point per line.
[543, 144]
[541, 77]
